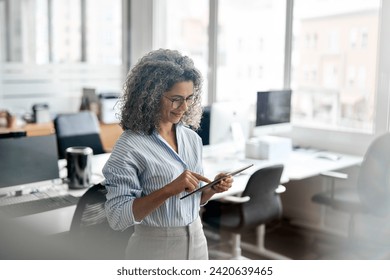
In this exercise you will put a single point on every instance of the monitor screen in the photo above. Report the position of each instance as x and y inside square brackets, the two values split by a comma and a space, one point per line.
[229, 121]
[273, 111]
[25, 160]
[273, 107]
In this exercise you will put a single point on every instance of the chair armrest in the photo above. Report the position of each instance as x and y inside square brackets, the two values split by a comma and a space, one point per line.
[333, 174]
[235, 199]
[280, 189]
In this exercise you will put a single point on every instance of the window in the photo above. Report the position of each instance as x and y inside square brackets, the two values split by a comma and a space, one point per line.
[183, 25]
[250, 54]
[334, 42]
[333, 59]
[2, 31]
[344, 98]
[103, 32]
[353, 38]
[364, 38]
[51, 49]
[66, 31]
[61, 31]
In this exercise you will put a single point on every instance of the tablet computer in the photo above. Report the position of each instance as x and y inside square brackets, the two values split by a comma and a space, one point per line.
[216, 181]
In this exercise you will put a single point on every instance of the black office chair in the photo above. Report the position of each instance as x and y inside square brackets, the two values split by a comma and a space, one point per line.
[370, 199]
[78, 129]
[204, 129]
[90, 232]
[259, 204]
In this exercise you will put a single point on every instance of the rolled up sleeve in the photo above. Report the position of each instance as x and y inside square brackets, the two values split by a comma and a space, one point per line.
[123, 187]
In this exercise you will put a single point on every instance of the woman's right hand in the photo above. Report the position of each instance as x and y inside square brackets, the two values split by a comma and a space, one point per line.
[187, 181]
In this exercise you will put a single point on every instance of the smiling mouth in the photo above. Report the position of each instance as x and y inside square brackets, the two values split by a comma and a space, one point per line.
[177, 114]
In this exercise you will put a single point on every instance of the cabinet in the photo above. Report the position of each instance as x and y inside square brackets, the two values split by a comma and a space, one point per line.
[37, 129]
[109, 133]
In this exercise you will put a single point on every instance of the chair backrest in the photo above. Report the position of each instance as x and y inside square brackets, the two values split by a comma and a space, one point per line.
[91, 231]
[374, 177]
[90, 209]
[78, 129]
[204, 129]
[264, 204]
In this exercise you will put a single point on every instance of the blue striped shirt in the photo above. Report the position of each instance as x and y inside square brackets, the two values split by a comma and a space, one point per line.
[140, 164]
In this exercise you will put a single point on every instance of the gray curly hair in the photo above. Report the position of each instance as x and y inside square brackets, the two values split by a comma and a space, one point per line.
[153, 75]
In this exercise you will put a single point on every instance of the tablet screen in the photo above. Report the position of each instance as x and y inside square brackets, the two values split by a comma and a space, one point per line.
[216, 181]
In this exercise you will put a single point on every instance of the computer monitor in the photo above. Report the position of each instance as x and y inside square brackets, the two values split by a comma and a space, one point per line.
[229, 122]
[273, 112]
[25, 160]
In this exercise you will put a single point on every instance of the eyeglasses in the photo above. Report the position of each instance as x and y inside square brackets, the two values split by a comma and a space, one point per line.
[177, 101]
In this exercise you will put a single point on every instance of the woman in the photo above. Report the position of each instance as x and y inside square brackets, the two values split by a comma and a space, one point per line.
[158, 159]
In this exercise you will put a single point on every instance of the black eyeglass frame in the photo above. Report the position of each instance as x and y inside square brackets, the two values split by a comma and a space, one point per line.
[180, 100]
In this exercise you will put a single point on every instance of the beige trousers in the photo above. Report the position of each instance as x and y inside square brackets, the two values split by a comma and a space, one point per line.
[168, 243]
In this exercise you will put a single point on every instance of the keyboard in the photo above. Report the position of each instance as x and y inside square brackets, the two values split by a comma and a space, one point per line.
[37, 204]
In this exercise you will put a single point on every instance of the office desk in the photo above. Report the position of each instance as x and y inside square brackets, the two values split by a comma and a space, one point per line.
[299, 165]
[59, 220]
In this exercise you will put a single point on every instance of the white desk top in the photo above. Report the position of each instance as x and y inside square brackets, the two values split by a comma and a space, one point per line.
[299, 165]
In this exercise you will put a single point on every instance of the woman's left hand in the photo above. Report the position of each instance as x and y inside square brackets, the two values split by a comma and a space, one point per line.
[224, 184]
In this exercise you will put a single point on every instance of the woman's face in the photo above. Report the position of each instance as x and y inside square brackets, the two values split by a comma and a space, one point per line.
[175, 102]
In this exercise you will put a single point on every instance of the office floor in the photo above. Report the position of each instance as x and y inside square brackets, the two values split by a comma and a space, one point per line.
[301, 244]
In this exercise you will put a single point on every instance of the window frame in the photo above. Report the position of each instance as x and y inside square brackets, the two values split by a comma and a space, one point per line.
[356, 142]
[138, 37]
[342, 141]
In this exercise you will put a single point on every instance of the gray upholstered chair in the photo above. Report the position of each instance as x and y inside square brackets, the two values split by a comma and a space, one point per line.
[259, 204]
[368, 204]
